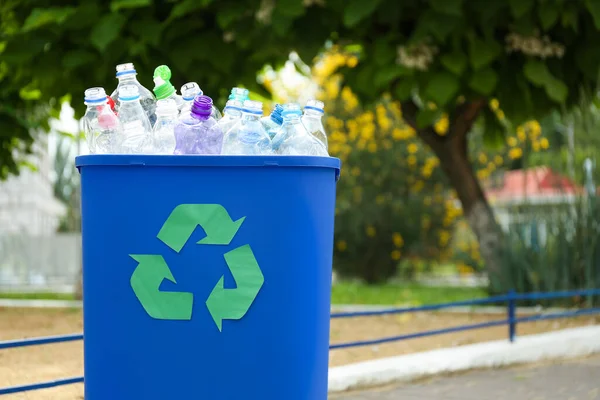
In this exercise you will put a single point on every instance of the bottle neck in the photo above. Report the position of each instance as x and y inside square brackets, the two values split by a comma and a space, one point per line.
[312, 114]
[127, 78]
[95, 106]
[172, 115]
[251, 117]
[291, 119]
[233, 112]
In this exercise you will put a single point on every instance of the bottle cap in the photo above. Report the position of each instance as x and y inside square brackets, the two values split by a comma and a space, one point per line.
[239, 94]
[276, 115]
[163, 87]
[202, 107]
[315, 105]
[190, 90]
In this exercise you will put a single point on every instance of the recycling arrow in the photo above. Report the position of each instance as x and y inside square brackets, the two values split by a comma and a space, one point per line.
[145, 282]
[218, 225]
[234, 303]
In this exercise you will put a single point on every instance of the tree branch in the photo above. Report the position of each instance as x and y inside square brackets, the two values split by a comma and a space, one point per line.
[409, 114]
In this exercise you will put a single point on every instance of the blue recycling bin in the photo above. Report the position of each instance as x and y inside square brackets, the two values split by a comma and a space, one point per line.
[207, 277]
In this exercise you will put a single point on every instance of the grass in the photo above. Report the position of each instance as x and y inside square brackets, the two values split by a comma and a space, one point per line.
[37, 296]
[345, 293]
[399, 294]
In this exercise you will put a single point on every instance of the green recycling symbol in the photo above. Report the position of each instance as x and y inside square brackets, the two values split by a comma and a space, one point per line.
[222, 303]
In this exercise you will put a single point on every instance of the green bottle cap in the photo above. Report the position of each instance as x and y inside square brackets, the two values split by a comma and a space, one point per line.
[163, 87]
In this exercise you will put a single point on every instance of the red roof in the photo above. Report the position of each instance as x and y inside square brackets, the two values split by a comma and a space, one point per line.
[540, 182]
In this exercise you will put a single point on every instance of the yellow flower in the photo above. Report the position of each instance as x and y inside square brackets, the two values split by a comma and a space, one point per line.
[395, 255]
[512, 141]
[380, 199]
[534, 128]
[418, 186]
[535, 146]
[444, 237]
[371, 232]
[498, 160]
[397, 239]
[411, 160]
[491, 166]
[342, 245]
[372, 147]
[431, 105]
[500, 115]
[521, 134]
[441, 125]
[426, 171]
[494, 104]
[482, 158]
[352, 61]
[483, 173]
[544, 144]
[515, 153]
[413, 148]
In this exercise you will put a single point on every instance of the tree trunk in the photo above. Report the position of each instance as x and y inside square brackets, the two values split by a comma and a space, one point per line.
[454, 160]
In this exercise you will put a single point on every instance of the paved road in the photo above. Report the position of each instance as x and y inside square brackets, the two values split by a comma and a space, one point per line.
[568, 380]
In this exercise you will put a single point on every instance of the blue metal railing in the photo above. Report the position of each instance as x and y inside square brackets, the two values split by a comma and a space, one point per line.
[511, 321]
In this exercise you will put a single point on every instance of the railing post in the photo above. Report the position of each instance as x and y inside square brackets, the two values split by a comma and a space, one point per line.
[512, 324]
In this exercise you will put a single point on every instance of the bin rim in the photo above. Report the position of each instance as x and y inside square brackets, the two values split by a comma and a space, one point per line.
[156, 160]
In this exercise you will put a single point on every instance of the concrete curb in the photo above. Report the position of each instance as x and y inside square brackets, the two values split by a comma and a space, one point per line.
[18, 303]
[568, 343]
[456, 310]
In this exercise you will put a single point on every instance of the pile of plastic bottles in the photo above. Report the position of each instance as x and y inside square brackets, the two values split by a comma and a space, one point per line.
[133, 120]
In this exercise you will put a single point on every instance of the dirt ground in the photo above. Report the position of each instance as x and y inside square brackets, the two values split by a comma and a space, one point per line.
[42, 363]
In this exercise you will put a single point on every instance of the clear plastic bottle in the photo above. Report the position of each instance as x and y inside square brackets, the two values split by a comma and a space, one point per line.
[313, 111]
[137, 136]
[231, 115]
[126, 75]
[198, 132]
[248, 136]
[188, 92]
[273, 122]
[240, 94]
[163, 89]
[163, 132]
[100, 124]
[293, 139]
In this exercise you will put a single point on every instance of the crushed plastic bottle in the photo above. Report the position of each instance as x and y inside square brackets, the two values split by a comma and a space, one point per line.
[313, 111]
[163, 89]
[126, 75]
[248, 136]
[293, 138]
[198, 132]
[136, 133]
[240, 94]
[100, 124]
[163, 132]
[273, 122]
[232, 113]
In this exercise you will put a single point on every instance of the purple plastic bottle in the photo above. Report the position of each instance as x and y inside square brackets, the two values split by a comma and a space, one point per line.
[197, 132]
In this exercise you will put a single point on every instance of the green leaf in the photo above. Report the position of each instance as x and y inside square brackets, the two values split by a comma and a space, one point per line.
[483, 52]
[44, 16]
[440, 25]
[484, 81]
[452, 7]
[494, 132]
[520, 7]
[77, 58]
[30, 92]
[442, 88]
[147, 29]
[187, 7]
[536, 72]
[426, 117]
[548, 13]
[357, 10]
[107, 30]
[384, 76]
[593, 7]
[291, 8]
[230, 14]
[404, 89]
[116, 5]
[23, 49]
[557, 90]
[455, 62]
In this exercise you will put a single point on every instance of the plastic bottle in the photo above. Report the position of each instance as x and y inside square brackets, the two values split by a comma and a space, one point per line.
[100, 124]
[313, 111]
[248, 136]
[240, 94]
[163, 89]
[163, 132]
[126, 75]
[232, 113]
[188, 92]
[273, 122]
[136, 134]
[293, 138]
[198, 132]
